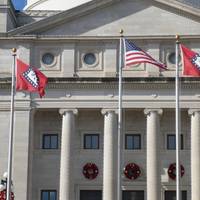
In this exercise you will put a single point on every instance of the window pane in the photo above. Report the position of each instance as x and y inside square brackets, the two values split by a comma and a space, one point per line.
[45, 195]
[91, 141]
[48, 195]
[129, 142]
[171, 142]
[87, 142]
[46, 142]
[52, 195]
[133, 141]
[136, 142]
[95, 142]
[54, 142]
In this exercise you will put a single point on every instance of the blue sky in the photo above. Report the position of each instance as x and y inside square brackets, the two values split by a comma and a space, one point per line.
[19, 4]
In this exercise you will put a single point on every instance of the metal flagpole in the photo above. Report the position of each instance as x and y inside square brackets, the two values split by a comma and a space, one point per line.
[119, 193]
[10, 150]
[177, 123]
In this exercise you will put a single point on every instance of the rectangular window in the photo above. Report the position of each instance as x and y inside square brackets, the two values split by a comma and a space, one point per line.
[133, 195]
[91, 141]
[48, 195]
[90, 195]
[132, 141]
[50, 141]
[171, 141]
[171, 195]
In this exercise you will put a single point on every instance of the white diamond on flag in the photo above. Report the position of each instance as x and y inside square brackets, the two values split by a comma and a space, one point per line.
[196, 61]
[31, 77]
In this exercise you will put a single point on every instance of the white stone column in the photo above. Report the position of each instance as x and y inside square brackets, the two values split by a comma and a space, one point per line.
[66, 159]
[110, 155]
[153, 158]
[195, 153]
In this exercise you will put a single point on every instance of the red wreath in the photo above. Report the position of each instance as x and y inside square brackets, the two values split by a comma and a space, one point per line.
[90, 171]
[172, 171]
[132, 171]
[3, 195]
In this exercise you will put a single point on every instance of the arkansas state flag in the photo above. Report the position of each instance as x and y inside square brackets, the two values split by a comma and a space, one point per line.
[191, 62]
[30, 79]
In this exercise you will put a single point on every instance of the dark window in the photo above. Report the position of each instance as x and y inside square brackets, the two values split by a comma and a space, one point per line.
[89, 58]
[48, 195]
[50, 141]
[171, 142]
[90, 195]
[91, 141]
[132, 141]
[133, 195]
[171, 195]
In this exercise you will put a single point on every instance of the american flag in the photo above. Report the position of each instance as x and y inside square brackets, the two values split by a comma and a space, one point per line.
[135, 55]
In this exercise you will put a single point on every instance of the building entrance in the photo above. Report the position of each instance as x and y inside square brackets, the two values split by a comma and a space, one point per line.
[90, 195]
[133, 195]
[171, 195]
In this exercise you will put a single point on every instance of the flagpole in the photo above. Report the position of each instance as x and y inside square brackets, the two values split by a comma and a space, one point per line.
[119, 193]
[10, 150]
[177, 123]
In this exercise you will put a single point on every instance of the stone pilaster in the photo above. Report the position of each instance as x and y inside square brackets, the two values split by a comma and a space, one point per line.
[21, 153]
[110, 155]
[66, 164]
[195, 153]
[153, 157]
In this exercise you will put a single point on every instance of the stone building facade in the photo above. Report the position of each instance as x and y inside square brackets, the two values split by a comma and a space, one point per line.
[75, 124]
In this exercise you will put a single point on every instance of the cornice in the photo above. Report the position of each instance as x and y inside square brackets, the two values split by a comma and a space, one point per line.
[180, 5]
[37, 13]
[71, 39]
[112, 83]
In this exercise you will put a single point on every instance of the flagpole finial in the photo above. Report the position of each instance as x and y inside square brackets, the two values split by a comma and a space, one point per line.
[121, 32]
[177, 38]
[14, 50]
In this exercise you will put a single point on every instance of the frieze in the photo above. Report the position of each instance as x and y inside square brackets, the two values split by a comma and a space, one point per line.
[112, 83]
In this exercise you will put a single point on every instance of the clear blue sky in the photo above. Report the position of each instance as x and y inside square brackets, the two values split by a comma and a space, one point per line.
[19, 4]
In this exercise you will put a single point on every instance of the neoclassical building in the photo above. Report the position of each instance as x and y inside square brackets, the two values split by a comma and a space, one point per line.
[65, 144]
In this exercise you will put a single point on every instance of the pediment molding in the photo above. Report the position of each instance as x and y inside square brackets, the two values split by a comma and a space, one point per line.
[89, 7]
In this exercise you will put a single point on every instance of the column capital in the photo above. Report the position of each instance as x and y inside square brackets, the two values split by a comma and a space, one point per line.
[192, 111]
[104, 111]
[147, 111]
[62, 111]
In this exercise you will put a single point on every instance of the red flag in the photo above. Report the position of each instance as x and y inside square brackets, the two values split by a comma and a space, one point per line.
[30, 79]
[191, 62]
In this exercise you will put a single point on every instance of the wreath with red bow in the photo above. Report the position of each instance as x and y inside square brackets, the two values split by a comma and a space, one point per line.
[132, 171]
[172, 171]
[3, 195]
[90, 171]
